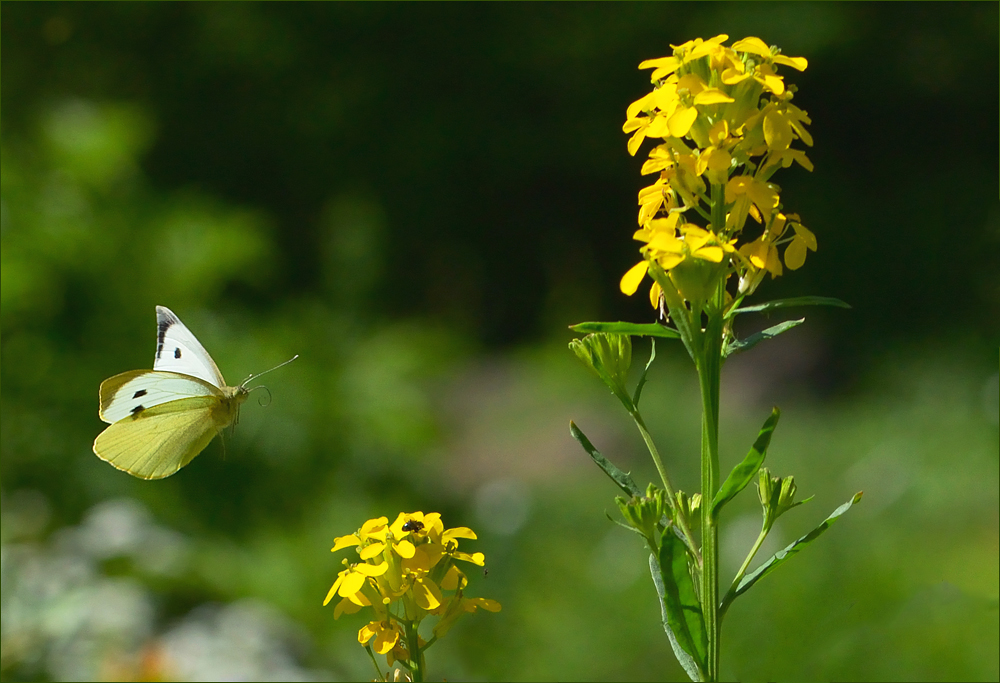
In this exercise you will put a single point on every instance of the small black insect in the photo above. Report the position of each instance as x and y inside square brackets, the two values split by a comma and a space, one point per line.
[413, 525]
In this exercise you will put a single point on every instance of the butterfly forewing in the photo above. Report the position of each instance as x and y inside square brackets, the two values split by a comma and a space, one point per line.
[132, 392]
[177, 350]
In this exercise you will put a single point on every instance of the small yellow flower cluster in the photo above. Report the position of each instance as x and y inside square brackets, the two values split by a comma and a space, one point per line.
[405, 568]
[733, 106]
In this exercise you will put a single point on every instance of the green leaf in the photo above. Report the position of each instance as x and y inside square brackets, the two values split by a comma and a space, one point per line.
[679, 602]
[743, 473]
[642, 378]
[784, 555]
[687, 662]
[646, 330]
[788, 303]
[754, 339]
[624, 481]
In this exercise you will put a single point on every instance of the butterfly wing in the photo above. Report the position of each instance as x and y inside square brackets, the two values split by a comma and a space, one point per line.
[131, 392]
[178, 350]
[156, 442]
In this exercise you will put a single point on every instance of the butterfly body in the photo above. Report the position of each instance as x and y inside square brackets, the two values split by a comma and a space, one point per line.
[160, 419]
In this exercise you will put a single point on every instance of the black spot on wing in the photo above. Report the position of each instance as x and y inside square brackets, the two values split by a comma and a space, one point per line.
[177, 352]
[138, 409]
[164, 322]
[141, 392]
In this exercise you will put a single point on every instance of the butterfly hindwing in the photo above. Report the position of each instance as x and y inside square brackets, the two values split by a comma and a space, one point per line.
[131, 392]
[178, 350]
[156, 442]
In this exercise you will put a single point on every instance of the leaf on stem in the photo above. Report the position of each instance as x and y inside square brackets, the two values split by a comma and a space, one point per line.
[744, 473]
[682, 617]
[784, 555]
[635, 329]
[645, 370]
[624, 481]
[754, 339]
[788, 303]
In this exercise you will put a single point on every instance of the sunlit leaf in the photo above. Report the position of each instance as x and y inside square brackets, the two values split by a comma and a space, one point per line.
[785, 554]
[788, 303]
[636, 329]
[744, 473]
[624, 481]
[744, 344]
[682, 617]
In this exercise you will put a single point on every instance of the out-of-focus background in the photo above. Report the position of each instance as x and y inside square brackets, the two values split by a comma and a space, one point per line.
[419, 199]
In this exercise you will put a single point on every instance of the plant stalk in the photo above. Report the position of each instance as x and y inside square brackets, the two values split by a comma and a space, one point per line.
[709, 377]
[680, 517]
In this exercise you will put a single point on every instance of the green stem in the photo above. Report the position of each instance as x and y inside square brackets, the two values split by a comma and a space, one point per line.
[743, 569]
[378, 670]
[679, 515]
[417, 664]
[709, 374]
[709, 366]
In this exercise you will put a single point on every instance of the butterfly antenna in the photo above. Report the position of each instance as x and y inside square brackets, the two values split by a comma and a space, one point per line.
[280, 365]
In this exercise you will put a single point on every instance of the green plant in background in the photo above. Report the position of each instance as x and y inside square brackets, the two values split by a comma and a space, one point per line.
[727, 123]
[405, 569]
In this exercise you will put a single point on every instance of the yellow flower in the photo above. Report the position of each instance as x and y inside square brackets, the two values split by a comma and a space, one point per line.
[351, 580]
[406, 572]
[386, 635]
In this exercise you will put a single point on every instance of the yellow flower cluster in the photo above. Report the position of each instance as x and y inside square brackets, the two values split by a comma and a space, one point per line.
[404, 571]
[727, 123]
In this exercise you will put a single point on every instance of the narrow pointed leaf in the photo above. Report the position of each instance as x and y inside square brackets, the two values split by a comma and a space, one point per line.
[687, 662]
[683, 611]
[788, 303]
[645, 370]
[624, 481]
[744, 473]
[754, 339]
[784, 555]
[636, 329]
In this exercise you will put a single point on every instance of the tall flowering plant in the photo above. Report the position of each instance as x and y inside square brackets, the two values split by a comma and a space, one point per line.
[405, 572]
[712, 227]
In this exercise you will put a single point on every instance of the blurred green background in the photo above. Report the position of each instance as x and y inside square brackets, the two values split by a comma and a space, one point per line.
[418, 199]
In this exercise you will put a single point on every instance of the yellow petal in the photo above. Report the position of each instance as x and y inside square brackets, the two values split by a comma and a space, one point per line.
[351, 584]
[426, 594]
[654, 294]
[805, 234]
[371, 550]
[795, 253]
[386, 640]
[712, 96]
[342, 542]
[713, 254]
[752, 45]
[799, 63]
[333, 589]
[682, 120]
[636, 141]
[630, 281]
[459, 532]
[372, 569]
[669, 260]
[366, 632]
[404, 549]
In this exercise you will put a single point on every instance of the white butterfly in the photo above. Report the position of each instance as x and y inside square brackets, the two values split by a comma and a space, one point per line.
[162, 418]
